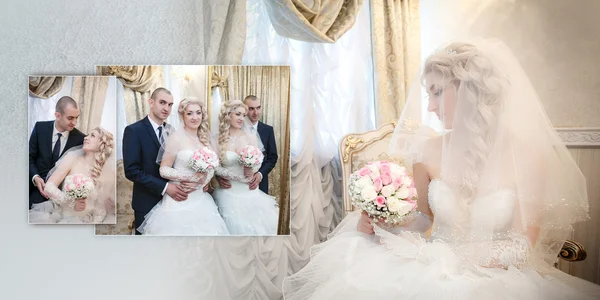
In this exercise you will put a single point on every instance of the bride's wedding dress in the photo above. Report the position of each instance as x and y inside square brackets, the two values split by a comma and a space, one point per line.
[245, 211]
[197, 215]
[353, 265]
[59, 210]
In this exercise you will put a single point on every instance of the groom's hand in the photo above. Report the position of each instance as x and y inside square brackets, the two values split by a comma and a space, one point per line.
[40, 184]
[176, 192]
[224, 183]
[255, 181]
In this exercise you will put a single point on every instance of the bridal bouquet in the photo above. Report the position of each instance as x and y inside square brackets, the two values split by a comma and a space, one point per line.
[78, 186]
[250, 156]
[203, 160]
[385, 191]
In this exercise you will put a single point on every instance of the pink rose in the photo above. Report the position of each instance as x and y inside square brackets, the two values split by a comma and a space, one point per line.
[378, 184]
[397, 183]
[78, 185]
[385, 168]
[386, 179]
[364, 172]
[380, 201]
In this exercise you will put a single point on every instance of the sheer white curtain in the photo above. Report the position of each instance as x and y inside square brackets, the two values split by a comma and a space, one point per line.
[43, 109]
[331, 95]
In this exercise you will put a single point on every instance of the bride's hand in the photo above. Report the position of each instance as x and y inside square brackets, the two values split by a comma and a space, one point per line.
[248, 173]
[365, 224]
[80, 204]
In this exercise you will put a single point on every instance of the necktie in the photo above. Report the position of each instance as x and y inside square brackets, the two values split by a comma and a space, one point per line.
[160, 136]
[56, 150]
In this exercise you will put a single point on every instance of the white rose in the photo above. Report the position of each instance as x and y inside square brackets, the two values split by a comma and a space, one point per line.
[406, 181]
[387, 191]
[404, 207]
[393, 204]
[396, 169]
[364, 182]
[375, 174]
[369, 193]
[372, 167]
[403, 193]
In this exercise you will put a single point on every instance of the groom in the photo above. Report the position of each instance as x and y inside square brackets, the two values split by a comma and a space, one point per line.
[141, 143]
[48, 141]
[267, 137]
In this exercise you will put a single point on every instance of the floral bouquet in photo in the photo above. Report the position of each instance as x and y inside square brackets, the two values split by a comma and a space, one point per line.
[384, 191]
[203, 160]
[78, 186]
[250, 156]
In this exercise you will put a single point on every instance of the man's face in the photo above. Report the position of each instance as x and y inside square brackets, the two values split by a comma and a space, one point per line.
[254, 110]
[67, 119]
[161, 106]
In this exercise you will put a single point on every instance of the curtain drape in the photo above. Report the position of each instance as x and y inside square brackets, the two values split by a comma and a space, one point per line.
[396, 54]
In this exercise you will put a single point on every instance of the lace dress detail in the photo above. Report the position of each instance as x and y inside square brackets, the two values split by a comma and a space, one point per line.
[61, 208]
[196, 216]
[245, 211]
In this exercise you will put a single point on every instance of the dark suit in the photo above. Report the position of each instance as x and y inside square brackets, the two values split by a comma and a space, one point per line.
[140, 150]
[40, 154]
[267, 136]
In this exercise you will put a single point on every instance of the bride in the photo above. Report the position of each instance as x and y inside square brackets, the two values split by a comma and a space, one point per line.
[501, 188]
[245, 211]
[92, 162]
[198, 215]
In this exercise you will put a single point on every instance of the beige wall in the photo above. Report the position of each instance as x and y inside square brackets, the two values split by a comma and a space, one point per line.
[558, 44]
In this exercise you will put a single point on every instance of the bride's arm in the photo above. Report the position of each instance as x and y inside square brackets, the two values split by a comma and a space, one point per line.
[51, 188]
[168, 172]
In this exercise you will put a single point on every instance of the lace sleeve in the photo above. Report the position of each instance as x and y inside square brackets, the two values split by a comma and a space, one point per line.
[58, 196]
[421, 223]
[178, 175]
[513, 251]
[230, 175]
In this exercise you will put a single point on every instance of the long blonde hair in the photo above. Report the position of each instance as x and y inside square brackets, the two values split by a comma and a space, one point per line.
[481, 86]
[106, 148]
[203, 128]
[224, 124]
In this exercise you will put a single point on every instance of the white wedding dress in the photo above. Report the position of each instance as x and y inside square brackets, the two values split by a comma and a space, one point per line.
[245, 211]
[352, 265]
[57, 210]
[196, 216]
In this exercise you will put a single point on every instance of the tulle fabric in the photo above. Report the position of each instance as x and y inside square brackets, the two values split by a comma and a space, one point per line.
[494, 135]
[245, 211]
[196, 216]
[352, 266]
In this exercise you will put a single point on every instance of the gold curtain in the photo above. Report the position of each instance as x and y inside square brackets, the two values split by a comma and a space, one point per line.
[90, 94]
[222, 30]
[45, 86]
[323, 21]
[138, 83]
[396, 54]
[271, 84]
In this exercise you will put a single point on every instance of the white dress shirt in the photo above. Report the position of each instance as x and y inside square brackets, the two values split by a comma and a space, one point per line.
[63, 138]
[155, 126]
[255, 127]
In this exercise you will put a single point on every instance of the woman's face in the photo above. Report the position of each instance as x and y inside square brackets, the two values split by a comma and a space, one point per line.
[236, 117]
[192, 116]
[442, 98]
[91, 142]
